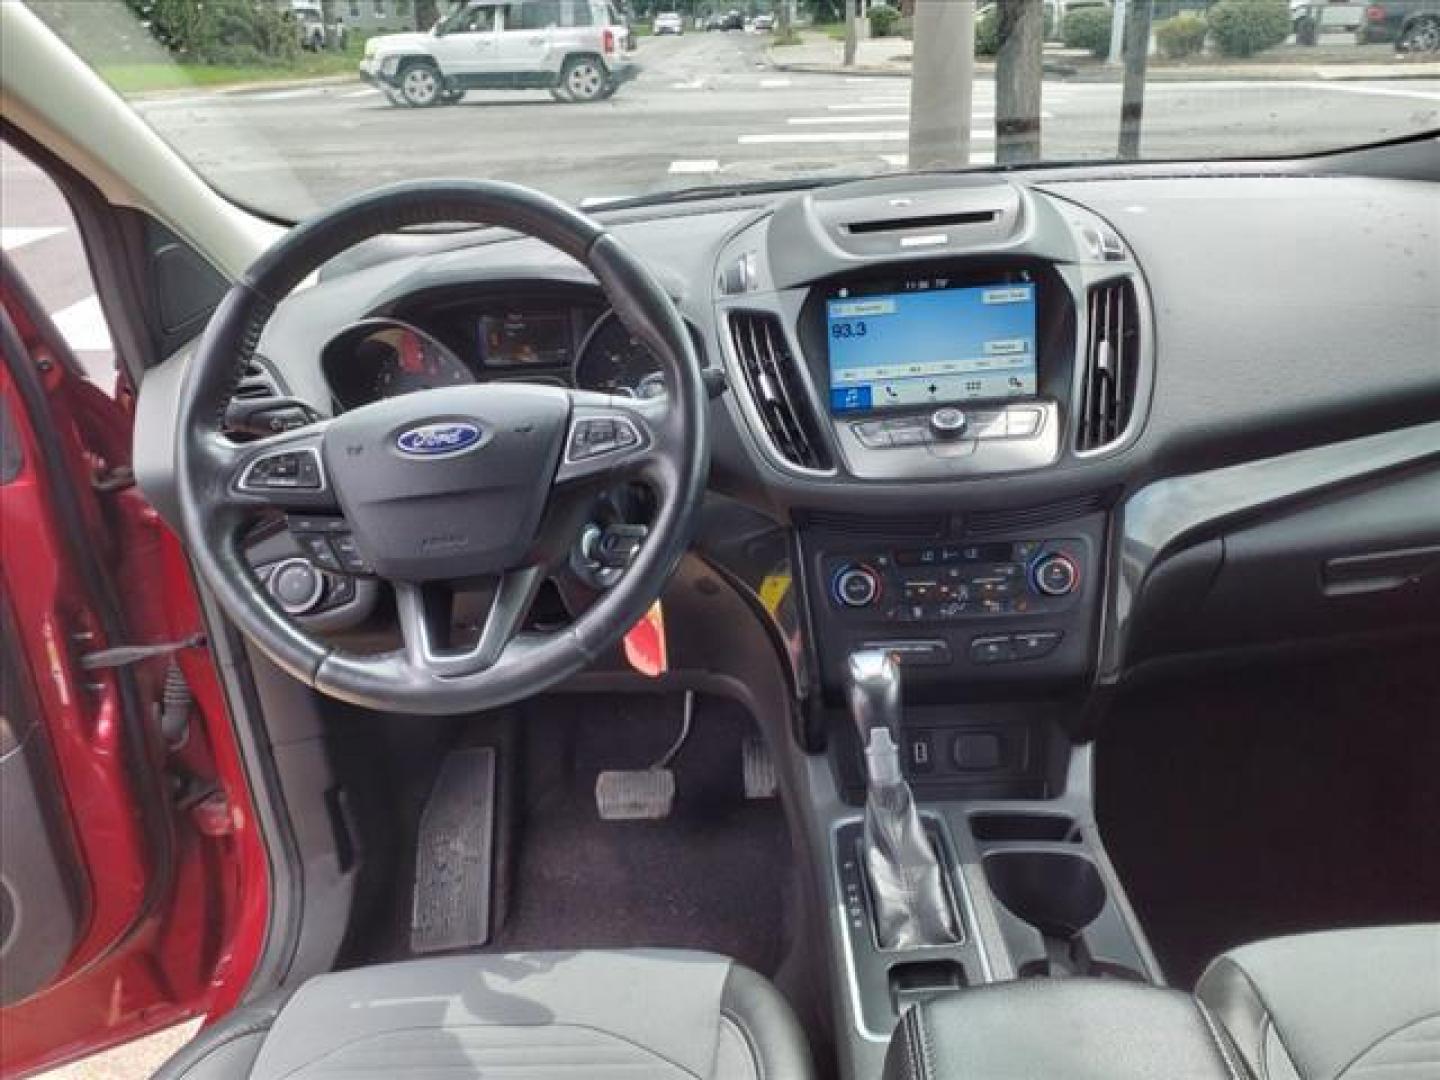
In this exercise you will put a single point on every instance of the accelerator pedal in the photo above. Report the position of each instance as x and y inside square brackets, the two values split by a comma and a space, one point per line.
[759, 768]
[455, 854]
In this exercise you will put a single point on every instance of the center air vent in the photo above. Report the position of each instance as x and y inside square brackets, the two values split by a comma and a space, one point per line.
[775, 387]
[1112, 365]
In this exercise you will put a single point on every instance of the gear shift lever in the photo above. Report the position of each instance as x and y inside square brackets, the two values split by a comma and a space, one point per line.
[912, 907]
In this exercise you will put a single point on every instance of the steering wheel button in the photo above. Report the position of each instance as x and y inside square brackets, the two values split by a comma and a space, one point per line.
[317, 549]
[308, 472]
[349, 554]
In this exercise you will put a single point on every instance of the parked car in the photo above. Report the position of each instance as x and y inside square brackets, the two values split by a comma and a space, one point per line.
[1413, 25]
[667, 22]
[764, 21]
[1312, 18]
[577, 49]
[732, 20]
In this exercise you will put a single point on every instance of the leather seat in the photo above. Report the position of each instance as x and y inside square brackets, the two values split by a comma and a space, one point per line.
[624, 1015]
[1351, 1004]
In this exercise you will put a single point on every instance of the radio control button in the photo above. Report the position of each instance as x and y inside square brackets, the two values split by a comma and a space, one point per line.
[988, 425]
[871, 433]
[1022, 422]
[948, 423]
[908, 436]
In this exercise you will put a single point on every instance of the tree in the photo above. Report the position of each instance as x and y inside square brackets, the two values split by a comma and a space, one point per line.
[1018, 75]
[427, 14]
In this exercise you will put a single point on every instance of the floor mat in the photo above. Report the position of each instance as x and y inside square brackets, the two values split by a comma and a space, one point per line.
[710, 876]
[1242, 806]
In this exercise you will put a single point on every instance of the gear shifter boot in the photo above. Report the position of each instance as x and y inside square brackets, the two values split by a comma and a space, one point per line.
[907, 885]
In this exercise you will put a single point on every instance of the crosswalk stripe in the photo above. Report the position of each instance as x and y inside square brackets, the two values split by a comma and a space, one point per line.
[700, 165]
[13, 237]
[782, 137]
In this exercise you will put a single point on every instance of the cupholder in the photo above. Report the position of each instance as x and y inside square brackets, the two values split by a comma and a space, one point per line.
[1057, 893]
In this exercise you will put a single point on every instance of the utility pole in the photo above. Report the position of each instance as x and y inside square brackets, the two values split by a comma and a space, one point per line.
[942, 84]
[1137, 57]
[1018, 75]
[851, 30]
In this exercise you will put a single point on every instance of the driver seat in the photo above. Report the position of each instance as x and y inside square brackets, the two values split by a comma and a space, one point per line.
[634, 1014]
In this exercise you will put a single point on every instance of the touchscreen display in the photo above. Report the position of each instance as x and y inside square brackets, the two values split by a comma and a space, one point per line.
[931, 344]
[525, 338]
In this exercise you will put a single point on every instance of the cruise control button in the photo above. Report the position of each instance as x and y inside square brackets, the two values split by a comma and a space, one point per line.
[349, 554]
[991, 650]
[317, 550]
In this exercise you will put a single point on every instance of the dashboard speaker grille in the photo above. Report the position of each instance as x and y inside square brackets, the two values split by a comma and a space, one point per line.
[775, 387]
[979, 522]
[918, 527]
[1112, 359]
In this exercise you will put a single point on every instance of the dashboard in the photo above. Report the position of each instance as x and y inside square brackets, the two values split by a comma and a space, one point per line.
[1027, 429]
[532, 337]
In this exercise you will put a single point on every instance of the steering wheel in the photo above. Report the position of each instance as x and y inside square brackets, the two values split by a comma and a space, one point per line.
[444, 489]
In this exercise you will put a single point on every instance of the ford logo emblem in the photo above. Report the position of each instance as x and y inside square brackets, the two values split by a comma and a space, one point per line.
[438, 440]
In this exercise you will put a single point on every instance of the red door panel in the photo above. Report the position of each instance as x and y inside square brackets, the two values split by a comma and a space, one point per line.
[170, 874]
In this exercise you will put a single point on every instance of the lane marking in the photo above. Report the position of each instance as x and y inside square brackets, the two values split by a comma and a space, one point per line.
[601, 200]
[1382, 91]
[366, 92]
[279, 95]
[774, 84]
[694, 166]
[693, 84]
[83, 326]
[14, 237]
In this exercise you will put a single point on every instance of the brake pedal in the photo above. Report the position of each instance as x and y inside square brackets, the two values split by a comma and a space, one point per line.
[454, 855]
[759, 768]
[635, 794]
[643, 794]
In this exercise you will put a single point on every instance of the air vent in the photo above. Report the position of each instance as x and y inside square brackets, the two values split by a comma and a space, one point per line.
[776, 389]
[1021, 520]
[917, 527]
[1112, 364]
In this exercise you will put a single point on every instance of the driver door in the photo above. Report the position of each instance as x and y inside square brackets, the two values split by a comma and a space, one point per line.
[128, 865]
[469, 46]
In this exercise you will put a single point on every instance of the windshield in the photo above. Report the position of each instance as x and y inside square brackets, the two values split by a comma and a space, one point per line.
[287, 114]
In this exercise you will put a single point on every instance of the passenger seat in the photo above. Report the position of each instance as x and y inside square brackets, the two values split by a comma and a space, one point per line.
[1336, 1005]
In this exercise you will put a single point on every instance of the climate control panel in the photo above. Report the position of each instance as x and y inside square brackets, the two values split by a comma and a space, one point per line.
[957, 582]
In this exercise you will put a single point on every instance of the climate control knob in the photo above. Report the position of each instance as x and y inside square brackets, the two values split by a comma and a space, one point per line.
[856, 586]
[1055, 574]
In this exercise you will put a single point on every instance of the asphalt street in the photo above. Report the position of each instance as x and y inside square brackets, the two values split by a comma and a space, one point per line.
[707, 108]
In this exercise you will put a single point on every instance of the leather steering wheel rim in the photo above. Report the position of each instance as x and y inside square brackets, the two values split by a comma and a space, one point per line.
[216, 508]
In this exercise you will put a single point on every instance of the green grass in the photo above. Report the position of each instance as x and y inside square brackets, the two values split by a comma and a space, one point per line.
[142, 78]
[834, 31]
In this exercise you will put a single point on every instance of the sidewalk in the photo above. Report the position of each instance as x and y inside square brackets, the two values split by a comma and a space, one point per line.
[818, 53]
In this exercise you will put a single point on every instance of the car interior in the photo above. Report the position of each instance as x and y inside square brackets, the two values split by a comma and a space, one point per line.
[621, 675]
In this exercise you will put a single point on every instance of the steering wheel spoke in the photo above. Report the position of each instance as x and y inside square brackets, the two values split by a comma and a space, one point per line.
[285, 472]
[425, 614]
[612, 436]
